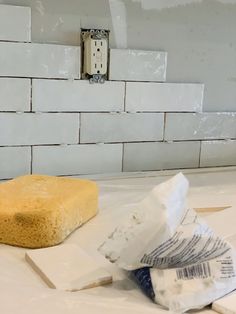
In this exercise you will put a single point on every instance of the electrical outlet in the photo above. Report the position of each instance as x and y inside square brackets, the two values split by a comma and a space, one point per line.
[95, 54]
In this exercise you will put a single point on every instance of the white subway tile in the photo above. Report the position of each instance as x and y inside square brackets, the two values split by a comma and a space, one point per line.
[34, 129]
[165, 97]
[218, 153]
[14, 94]
[58, 95]
[14, 161]
[77, 159]
[137, 65]
[121, 127]
[39, 60]
[15, 23]
[196, 126]
[158, 156]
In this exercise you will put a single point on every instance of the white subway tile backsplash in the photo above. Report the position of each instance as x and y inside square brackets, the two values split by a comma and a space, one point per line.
[164, 97]
[39, 60]
[196, 126]
[218, 153]
[137, 65]
[34, 129]
[121, 127]
[77, 159]
[14, 161]
[14, 94]
[15, 23]
[58, 95]
[158, 156]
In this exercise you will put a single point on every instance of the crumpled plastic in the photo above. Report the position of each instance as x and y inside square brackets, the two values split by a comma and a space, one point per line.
[177, 260]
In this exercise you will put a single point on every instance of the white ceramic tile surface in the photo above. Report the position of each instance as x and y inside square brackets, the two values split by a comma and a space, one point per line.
[214, 221]
[157, 156]
[33, 129]
[137, 65]
[195, 126]
[77, 159]
[121, 127]
[67, 267]
[218, 153]
[39, 60]
[15, 23]
[58, 267]
[14, 161]
[226, 305]
[14, 94]
[58, 95]
[164, 97]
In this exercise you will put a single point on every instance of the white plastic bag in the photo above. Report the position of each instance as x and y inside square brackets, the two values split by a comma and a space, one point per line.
[189, 266]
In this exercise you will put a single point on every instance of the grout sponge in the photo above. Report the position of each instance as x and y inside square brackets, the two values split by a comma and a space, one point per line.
[38, 211]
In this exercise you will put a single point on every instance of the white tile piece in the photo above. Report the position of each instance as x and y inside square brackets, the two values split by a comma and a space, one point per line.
[58, 95]
[196, 126]
[77, 159]
[33, 129]
[67, 267]
[39, 60]
[177, 97]
[14, 161]
[121, 127]
[15, 23]
[214, 221]
[158, 156]
[218, 153]
[226, 305]
[137, 65]
[15, 94]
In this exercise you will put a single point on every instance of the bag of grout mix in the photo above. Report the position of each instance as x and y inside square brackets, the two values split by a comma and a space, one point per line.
[177, 260]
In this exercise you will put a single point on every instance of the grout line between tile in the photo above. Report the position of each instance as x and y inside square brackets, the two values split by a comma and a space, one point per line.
[111, 143]
[164, 126]
[200, 151]
[125, 91]
[79, 129]
[31, 159]
[31, 93]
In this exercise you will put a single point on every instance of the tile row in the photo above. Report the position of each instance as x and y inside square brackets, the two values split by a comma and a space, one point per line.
[135, 127]
[73, 128]
[125, 64]
[60, 61]
[81, 96]
[105, 158]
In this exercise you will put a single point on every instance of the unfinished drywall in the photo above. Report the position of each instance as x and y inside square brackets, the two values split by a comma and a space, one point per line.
[199, 36]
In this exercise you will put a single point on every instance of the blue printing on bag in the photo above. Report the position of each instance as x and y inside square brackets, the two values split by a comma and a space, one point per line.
[143, 278]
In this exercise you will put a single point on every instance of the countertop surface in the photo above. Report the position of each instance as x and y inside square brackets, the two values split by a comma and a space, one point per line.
[23, 292]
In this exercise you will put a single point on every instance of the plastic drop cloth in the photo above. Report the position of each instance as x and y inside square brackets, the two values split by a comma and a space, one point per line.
[23, 292]
[177, 259]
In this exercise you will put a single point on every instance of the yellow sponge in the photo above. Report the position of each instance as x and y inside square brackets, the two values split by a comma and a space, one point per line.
[39, 211]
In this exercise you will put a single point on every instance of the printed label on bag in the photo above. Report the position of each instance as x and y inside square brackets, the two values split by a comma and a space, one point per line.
[196, 271]
[192, 243]
[222, 268]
